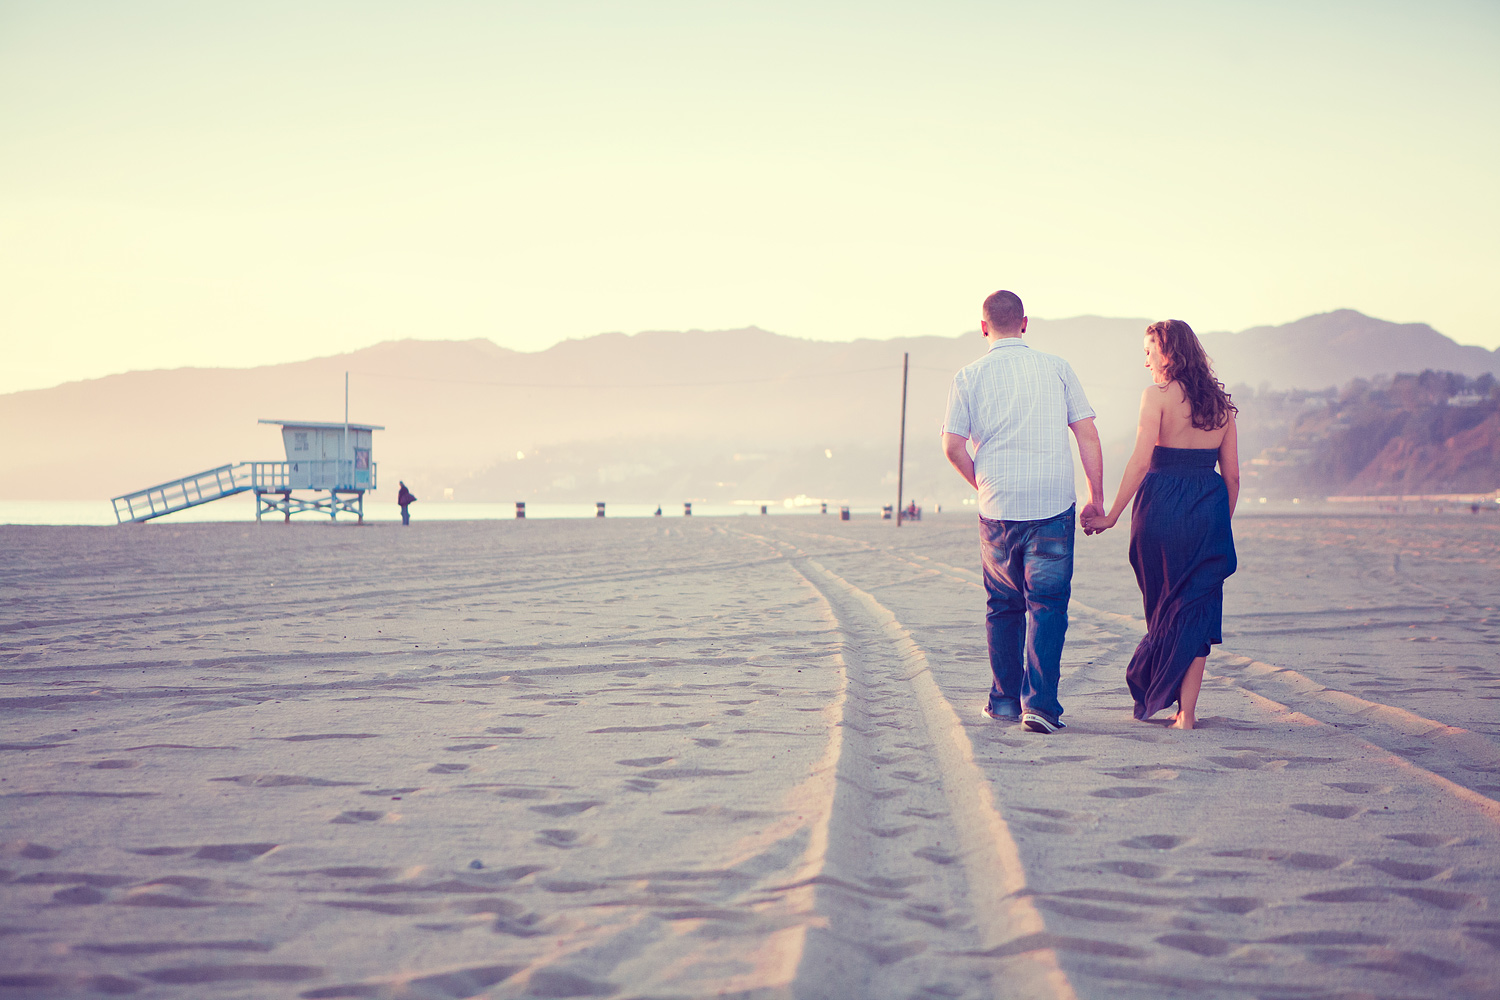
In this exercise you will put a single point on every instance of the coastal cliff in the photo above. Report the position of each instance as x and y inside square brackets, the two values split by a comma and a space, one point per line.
[1436, 432]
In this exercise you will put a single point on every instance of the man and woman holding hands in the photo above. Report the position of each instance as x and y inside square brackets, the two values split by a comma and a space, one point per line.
[1017, 407]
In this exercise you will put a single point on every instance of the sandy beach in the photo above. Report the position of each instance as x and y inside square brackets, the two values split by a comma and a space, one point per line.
[741, 757]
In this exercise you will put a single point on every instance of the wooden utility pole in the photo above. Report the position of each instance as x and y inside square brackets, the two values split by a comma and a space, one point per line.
[901, 459]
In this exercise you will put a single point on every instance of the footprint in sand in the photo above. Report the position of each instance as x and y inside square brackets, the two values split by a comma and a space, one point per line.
[357, 816]
[1125, 792]
[453, 985]
[564, 983]
[936, 855]
[1199, 944]
[1361, 788]
[447, 768]
[560, 809]
[233, 852]
[886, 954]
[934, 915]
[1135, 869]
[188, 975]
[523, 793]
[1088, 911]
[1238, 905]
[1354, 894]
[1423, 839]
[284, 781]
[27, 849]
[1406, 870]
[562, 839]
[568, 885]
[1327, 812]
[392, 792]
[1154, 842]
[1143, 772]
[1328, 939]
[1414, 965]
[328, 736]
[1442, 899]
[343, 871]
[71, 878]
[923, 813]
[209, 852]
[1292, 859]
[1487, 931]
[1247, 762]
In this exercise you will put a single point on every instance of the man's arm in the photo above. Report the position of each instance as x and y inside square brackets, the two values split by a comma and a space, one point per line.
[956, 447]
[1091, 453]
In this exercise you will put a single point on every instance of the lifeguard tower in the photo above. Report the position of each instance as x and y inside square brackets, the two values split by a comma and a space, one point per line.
[324, 458]
[332, 461]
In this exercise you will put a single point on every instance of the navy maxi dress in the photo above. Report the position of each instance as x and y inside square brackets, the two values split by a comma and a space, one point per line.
[1182, 550]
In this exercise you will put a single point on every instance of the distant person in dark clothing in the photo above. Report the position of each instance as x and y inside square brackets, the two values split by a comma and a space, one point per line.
[405, 498]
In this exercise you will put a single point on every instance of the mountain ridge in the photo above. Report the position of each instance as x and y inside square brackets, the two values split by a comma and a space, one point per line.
[457, 412]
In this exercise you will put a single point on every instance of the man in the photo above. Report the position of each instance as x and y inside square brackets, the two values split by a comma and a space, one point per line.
[1017, 406]
[405, 498]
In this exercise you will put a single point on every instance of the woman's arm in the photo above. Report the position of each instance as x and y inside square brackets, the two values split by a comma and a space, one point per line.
[1229, 463]
[1148, 428]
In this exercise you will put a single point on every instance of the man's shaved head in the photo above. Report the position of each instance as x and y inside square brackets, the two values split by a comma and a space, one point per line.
[1004, 312]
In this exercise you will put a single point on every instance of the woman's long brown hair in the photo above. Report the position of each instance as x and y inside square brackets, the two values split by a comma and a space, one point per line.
[1189, 367]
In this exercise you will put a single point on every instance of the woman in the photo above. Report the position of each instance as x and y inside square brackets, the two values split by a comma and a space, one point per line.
[1180, 544]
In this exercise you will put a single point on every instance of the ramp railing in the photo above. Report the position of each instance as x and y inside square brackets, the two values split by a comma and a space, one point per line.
[227, 480]
[199, 488]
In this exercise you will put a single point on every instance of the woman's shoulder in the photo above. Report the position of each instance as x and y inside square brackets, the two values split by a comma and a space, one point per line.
[1167, 395]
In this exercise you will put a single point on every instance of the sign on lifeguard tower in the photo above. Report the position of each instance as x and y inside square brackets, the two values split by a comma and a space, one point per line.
[332, 461]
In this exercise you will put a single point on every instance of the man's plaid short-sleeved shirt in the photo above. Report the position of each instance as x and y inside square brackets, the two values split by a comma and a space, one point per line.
[1015, 404]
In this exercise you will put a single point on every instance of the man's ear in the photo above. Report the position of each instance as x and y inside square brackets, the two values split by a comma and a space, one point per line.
[984, 328]
[1023, 323]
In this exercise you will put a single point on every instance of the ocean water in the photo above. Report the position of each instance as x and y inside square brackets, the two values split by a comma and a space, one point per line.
[242, 508]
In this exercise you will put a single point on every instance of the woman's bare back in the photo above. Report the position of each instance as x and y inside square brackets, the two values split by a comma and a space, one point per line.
[1176, 429]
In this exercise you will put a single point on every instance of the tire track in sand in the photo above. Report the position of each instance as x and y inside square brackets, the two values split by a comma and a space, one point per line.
[915, 841]
[1450, 755]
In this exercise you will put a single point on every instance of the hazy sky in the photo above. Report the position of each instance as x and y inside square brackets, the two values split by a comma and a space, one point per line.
[205, 183]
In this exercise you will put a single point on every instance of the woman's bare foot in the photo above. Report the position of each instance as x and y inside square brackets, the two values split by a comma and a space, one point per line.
[1187, 697]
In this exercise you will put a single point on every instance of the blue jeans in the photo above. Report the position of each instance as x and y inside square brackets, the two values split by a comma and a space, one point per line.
[1028, 577]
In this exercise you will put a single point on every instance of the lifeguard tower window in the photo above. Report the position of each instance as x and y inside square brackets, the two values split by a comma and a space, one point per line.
[299, 440]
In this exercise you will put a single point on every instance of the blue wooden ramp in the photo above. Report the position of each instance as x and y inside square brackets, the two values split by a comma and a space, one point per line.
[190, 491]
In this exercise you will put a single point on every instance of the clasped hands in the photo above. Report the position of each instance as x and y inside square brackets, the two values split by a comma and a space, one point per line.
[1094, 520]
